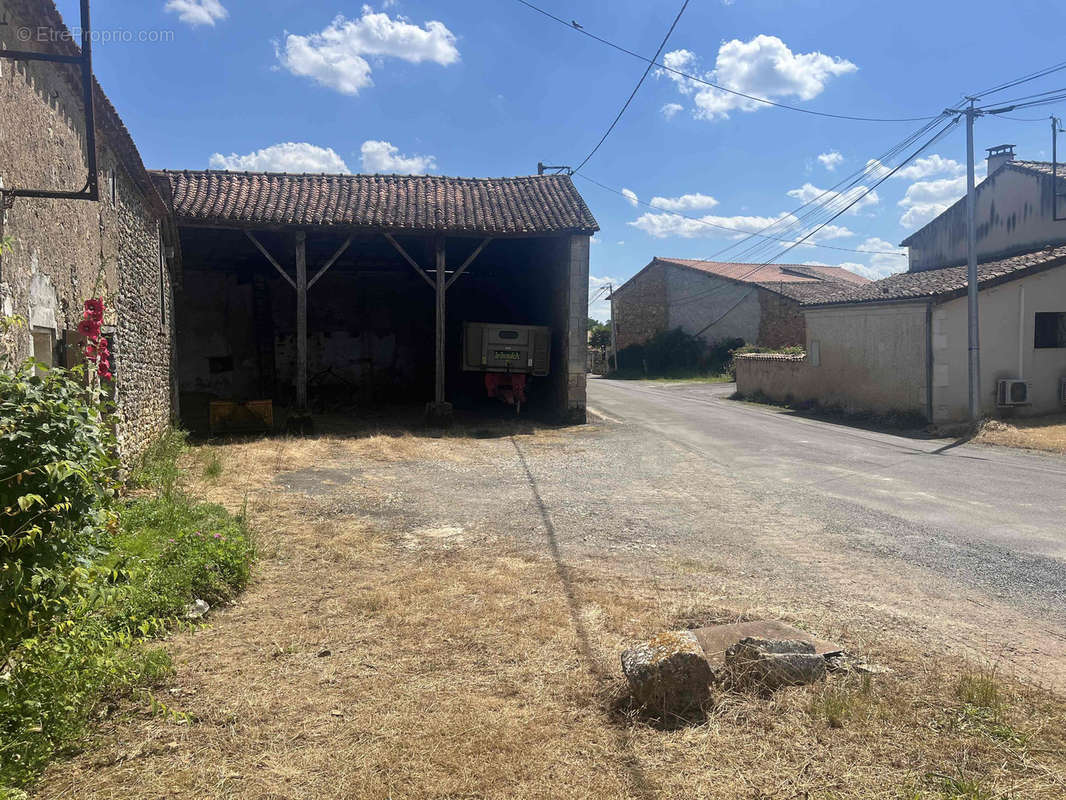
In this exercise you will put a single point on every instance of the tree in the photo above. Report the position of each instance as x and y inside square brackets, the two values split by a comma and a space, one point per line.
[600, 335]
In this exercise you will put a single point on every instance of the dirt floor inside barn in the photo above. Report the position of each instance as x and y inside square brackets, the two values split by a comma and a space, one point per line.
[441, 615]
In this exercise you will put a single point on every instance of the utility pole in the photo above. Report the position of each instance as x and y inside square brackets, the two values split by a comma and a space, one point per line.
[973, 328]
[614, 328]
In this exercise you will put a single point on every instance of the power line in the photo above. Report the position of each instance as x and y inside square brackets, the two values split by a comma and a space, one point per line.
[1034, 104]
[1023, 79]
[838, 189]
[724, 227]
[706, 293]
[936, 137]
[1017, 100]
[652, 62]
[636, 88]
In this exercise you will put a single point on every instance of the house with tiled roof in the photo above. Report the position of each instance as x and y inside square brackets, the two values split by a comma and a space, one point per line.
[718, 301]
[901, 344]
[1020, 207]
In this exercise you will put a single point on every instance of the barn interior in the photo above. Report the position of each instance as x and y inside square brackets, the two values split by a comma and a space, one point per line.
[370, 317]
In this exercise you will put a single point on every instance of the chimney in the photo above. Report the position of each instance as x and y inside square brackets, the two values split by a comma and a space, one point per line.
[999, 155]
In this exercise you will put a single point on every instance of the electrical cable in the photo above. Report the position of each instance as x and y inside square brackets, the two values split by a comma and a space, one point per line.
[579, 29]
[636, 88]
[838, 191]
[1023, 79]
[721, 227]
[935, 138]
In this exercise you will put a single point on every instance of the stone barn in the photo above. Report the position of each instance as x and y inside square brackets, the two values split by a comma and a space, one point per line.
[336, 292]
[717, 301]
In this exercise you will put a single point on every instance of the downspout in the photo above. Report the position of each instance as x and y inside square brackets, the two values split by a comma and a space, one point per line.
[1021, 332]
[929, 362]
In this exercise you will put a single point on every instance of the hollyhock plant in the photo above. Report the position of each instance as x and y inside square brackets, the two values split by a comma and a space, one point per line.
[97, 350]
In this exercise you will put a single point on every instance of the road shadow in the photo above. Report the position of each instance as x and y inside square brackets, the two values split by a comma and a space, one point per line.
[396, 421]
[641, 786]
[907, 425]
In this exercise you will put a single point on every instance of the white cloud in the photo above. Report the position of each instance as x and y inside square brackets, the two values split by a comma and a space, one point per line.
[764, 67]
[670, 110]
[925, 200]
[197, 12]
[666, 225]
[686, 202]
[830, 160]
[929, 166]
[876, 170]
[383, 157]
[836, 201]
[284, 157]
[595, 240]
[880, 265]
[336, 57]
[630, 196]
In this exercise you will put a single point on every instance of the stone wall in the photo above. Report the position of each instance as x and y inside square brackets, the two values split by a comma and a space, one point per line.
[666, 296]
[860, 358]
[577, 328]
[781, 323]
[65, 251]
[778, 377]
[714, 308]
[639, 307]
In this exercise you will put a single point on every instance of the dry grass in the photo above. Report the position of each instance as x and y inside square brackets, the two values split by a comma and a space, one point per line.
[1042, 433]
[368, 661]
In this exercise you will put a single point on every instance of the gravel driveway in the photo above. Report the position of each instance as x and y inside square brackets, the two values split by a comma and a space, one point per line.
[953, 547]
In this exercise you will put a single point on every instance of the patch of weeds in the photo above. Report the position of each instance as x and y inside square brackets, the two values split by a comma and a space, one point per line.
[212, 466]
[178, 550]
[960, 787]
[158, 468]
[840, 702]
[982, 689]
[984, 709]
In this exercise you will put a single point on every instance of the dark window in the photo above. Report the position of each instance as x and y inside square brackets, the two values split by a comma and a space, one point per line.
[1050, 329]
[216, 364]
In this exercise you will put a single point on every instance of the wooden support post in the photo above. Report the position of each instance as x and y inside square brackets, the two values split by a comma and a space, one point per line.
[270, 258]
[301, 321]
[441, 286]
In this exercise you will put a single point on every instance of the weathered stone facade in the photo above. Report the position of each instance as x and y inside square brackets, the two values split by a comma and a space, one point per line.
[65, 251]
[664, 296]
[639, 307]
[781, 322]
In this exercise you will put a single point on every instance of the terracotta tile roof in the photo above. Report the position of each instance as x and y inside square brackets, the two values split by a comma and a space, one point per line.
[1040, 167]
[499, 206]
[801, 282]
[949, 282]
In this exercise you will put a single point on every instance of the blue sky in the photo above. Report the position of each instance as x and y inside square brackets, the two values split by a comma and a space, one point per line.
[489, 88]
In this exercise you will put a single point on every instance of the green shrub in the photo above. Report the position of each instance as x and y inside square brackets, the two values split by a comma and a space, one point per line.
[56, 487]
[88, 583]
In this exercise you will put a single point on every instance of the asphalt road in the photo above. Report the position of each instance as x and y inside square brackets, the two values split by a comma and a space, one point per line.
[963, 541]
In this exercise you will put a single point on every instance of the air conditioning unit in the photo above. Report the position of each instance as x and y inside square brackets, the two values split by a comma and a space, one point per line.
[1010, 392]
